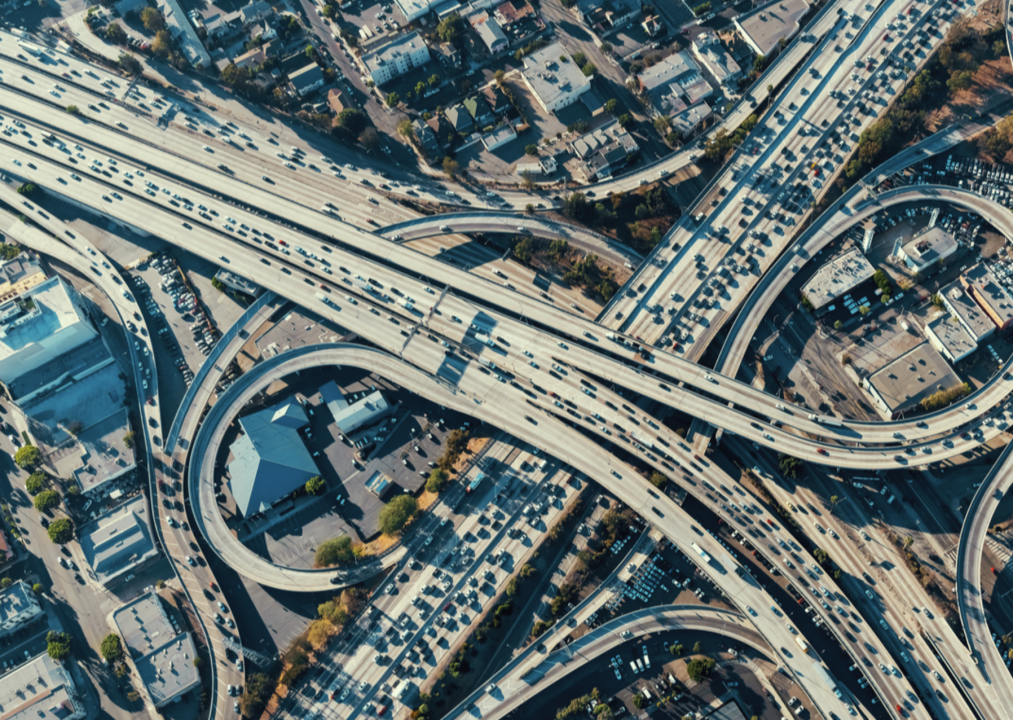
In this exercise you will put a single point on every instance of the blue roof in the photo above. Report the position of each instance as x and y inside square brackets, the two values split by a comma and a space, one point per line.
[270, 459]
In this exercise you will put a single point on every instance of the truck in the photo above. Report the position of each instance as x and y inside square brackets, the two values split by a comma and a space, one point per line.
[642, 439]
[364, 285]
[647, 660]
[646, 693]
[485, 339]
[832, 421]
[825, 676]
[633, 666]
[890, 500]
[803, 646]
[640, 666]
[473, 485]
[700, 552]
[322, 298]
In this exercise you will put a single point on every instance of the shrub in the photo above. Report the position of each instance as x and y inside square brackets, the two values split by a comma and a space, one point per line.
[335, 551]
[396, 514]
[316, 485]
[128, 440]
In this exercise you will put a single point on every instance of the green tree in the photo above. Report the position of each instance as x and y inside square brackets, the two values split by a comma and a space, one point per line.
[575, 206]
[257, 690]
[47, 500]
[838, 325]
[697, 647]
[639, 701]
[58, 645]
[162, 44]
[352, 120]
[392, 99]
[61, 531]
[605, 48]
[699, 668]
[960, 80]
[658, 480]
[37, 588]
[437, 480]
[405, 129]
[396, 514]
[527, 180]
[28, 457]
[128, 440]
[6, 582]
[531, 149]
[434, 80]
[589, 69]
[789, 465]
[449, 28]
[129, 63]
[111, 647]
[71, 110]
[336, 551]
[114, 33]
[36, 483]
[611, 105]
[450, 166]
[522, 250]
[316, 485]
[152, 19]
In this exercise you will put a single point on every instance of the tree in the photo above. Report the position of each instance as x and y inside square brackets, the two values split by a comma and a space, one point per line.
[789, 465]
[450, 166]
[611, 105]
[316, 485]
[336, 551]
[369, 138]
[699, 668]
[449, 28]
[434, 80]
[256, 692]
[352, 120]
[6, 582]
[437, 480]
[575, 205]
[527, 180]
[589, 69]
[392, 99]
[404, 129]
[61, 531]
[639, 701]
[128, 62]
[71, 110]
[697, 647]
[658, 480]
[309, 51]
[152, 19]
[162, 45]
[838, 325]
[58, 645]
[128, 440]
[47, 500]
[36, 483]
[529, 209]
[531, 149]
[115, 33]
[396, 514]
[605, 48]
[28, 457]
[759, 63]
[522, 250]
[37, 588]
[111, 647]
[834, 500]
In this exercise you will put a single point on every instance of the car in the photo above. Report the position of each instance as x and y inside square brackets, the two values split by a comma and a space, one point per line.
[190, 561]
[822, 451]
[221, 606]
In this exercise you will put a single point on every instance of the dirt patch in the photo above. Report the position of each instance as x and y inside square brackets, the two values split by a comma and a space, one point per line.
[989, 87]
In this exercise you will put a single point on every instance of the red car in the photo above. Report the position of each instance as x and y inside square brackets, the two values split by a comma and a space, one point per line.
[282, 242]
[821, 451]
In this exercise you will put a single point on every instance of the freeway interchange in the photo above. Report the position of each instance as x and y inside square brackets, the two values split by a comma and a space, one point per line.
[556, 380]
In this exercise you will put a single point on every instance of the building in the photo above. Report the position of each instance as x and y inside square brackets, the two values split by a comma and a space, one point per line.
[674, 84]
[425, 137]
[442, 130]
[183, 33]
[496, 99]
[593, 103]
[544, 166]
[45, 322]
[236, 282]
[479, 110]
[270, 460]
[119, 542]
[718, 62]
[18, 607]
[902, 384]
[653, 26]
[927, 249]
[396, 58]
[492, 35]
[984, 288]
[251, 59]
[361, 413]
[554, 83]
[967, 312]
[460, 119]
[448, 55]
[607, 16]
[255, 12]
[378, 483]
[41, 688]
[262, 31]
[336, 101]
[20, 275]
[414, 9]
[604, 152]
[161, 653]
[764, 28]
[950, 338]
[307, 79]
[689, 120]
[835, 278]
[499, 137]
[512, 12]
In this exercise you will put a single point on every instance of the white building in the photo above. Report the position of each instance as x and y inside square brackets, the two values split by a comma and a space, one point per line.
[555, 83]
[713, 56]
[40, 325]
[927, 249]
[351, 416]
[396, 58]
[18, 607]
[950, 338]
[414, 9]
[41, 688]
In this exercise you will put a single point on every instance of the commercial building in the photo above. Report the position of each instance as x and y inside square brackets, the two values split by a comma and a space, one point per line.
[554, 83]
[499, 137]
[604, 152]
[902, 384]
[950, 338]
[674, 84]
[841, 274]
[18, 607]
[161, 653]
[40, 325]
[20, 275]
[119, 542]
[396, 58]
[992, 298]
[270, 460]
[183, 33]
[763, 28]
[492, 35]
[41, 688]
[926, 249]
[361, 412]
[716, 59]
[967, 312]
[689, 120]
[414, 9]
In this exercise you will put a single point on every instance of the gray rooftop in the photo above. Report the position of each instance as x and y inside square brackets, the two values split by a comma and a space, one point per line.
[17, 600]
[24, 265]
[270, 459]
[714, 55]
[361, 412]
[402, 44]
[549, 76]
[40, 690]
[163, 658]
[764, 27]
[676, 68]
[238, 282]
[929, 246]
[989, 294]
[918, 373]
[952, 335]
[118, 541]
[965, 309]
[837, 277]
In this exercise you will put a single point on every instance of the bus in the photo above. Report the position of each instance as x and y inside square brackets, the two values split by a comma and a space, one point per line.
[700, 552]
[802, 644]
[476, 482]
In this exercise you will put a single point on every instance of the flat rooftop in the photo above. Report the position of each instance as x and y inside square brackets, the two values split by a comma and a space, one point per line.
[952, 335]
[389, 53]
[964, 308]
[41, 689]
[764, 27]
[551, 78]
[915, 375]
[119, 540]
[928, 247]
[16, 601]
[989, 294]
[163, 658]
[838, 276]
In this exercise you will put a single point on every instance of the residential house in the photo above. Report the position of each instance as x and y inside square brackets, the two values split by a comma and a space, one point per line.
[492, 35]
[689, 119]
[479, 110]
[653, 26]
[255, 12]
[497, 100]
[604, 152]
[448, 55]
[442, 129]
[460, 119]
[425, 137]
[307, 79]
[335, 100]
[263, 30]
[607, 16]
[512, 12]
[252, 59]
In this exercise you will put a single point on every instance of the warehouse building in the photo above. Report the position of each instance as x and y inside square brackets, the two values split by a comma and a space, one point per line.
[117, 543]
[41, 689]
[967, 312]
[361, 412]
[899, 386]
[992, 298]
[270, 460]
[950, 338]
[837, 277]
